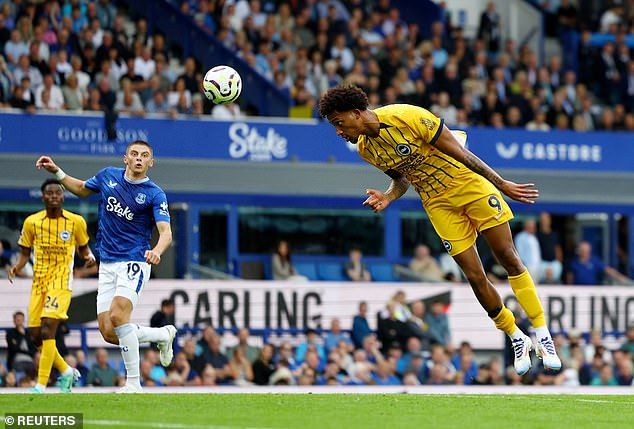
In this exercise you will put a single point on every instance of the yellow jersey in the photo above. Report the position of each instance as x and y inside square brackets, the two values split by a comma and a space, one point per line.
[53, 242]
[405, 145]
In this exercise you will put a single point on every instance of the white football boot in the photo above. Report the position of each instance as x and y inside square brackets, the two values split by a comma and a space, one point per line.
[546, 352]
[166, 351]
[129, 388]
[522, 348]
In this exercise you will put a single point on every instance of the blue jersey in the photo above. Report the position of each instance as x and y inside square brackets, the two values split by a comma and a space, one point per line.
[128, 211]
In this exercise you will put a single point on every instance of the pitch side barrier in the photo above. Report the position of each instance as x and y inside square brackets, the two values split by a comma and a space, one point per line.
[276, 308]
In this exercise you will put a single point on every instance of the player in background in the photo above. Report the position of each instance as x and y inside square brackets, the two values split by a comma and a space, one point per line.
[52, 234]
[130, 205]
[460, 193]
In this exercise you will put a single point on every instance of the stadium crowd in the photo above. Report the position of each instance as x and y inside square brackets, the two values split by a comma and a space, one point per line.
[411, 347]
[87, 55]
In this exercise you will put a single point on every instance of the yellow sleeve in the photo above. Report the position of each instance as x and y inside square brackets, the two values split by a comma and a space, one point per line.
[425, 125]
[27, 234]
[81, 232]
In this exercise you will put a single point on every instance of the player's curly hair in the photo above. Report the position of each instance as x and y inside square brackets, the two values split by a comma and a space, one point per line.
[342, 98]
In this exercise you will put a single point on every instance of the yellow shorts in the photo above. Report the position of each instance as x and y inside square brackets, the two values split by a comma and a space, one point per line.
[469, 205]
[52, 304]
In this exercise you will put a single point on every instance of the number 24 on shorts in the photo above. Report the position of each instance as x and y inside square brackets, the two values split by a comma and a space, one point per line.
[51, 303]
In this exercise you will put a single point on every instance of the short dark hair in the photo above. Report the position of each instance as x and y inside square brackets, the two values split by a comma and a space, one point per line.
[18, 313]
[342, 98]
[167, 302]
[50, 182]
[142, 143]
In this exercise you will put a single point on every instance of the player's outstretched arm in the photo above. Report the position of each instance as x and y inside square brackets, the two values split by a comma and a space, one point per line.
[153, 256]
[447, 143]
[22, 260]
[378, 201]
[76, 186]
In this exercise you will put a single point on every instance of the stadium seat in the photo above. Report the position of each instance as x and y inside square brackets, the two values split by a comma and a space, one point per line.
[331, 272]
[382, 272]
[308, 269]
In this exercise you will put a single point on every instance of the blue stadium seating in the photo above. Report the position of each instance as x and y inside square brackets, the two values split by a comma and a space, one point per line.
[382, 272]
[331, 272]
[308, 269]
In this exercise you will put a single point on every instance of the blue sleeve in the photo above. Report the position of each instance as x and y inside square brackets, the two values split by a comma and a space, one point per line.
[161, 208]
[94, 183]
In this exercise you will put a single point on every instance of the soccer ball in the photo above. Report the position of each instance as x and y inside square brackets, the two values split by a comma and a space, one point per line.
[222, 84]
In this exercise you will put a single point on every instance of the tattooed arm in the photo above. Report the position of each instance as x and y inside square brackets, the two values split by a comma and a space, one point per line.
[448, 144]
[378, 200]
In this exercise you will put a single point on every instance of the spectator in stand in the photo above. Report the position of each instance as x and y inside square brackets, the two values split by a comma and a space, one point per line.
[263, 366]
[551, 251]
[240, 369]
[438, 324]
[227, 112]
[251, 352]
[15, 47]
[128, 100]
[56, 97]
[528, 249]
[101, 373]
[490, 30]
[164, 316]
[355, 268]
[188, 375]
[438, 369]
[196, 362]
[464, 362]
[360, 326]
[285, 356]
[81, 366]
[383, 374]
[209, 376]
[24, 69]
[20, 348]
[74, 98]
[282, 264]
[587, 269]
[425, 265]
[21, 99]
[335, 336]
[312, 341]
[217, 359]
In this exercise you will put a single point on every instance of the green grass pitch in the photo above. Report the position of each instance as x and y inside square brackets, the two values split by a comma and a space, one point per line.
[340, 411]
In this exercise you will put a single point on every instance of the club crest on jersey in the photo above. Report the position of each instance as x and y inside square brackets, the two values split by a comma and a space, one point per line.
[447, 245]
[403, 149]
[140, 198]
[64, 235]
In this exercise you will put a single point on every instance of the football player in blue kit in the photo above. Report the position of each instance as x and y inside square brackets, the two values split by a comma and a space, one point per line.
[130, 204]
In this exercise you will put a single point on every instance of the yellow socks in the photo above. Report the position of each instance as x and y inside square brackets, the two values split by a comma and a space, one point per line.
[504, 320]
[59, 363]
[526, 295]
[49, 350]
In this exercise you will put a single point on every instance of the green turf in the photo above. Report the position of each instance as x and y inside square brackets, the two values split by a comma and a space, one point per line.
[340, 411]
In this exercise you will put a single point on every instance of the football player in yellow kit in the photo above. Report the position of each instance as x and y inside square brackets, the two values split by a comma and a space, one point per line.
[461, 194]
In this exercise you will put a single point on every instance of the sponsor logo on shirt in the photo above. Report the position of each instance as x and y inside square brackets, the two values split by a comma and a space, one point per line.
[115, 206]
[164, 209]
[112, 184]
